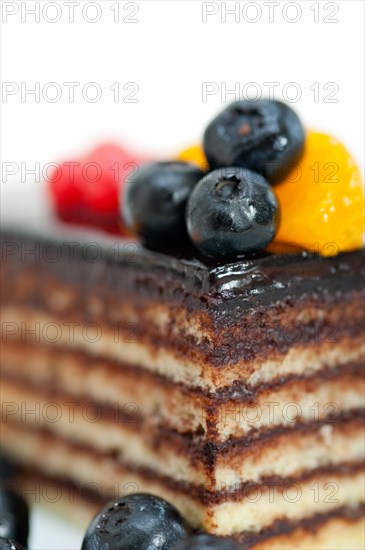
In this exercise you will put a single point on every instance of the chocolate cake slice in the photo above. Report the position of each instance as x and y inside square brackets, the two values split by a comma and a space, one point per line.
[235, 390]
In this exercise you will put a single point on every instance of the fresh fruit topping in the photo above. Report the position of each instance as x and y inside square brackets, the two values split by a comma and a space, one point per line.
[9, 544]
[14, 516]
[264, 136]
[7, 469]
[322, 201]
[86, 190]
[155, 198]
[139, 521]
[232, 211]
[207, 542]
[195, 154]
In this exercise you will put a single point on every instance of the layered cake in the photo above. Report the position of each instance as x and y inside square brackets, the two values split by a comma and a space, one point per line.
[231, 387]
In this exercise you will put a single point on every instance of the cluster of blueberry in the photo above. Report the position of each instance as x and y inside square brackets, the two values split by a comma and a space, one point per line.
[248, 148]
[231, 210]
[135, 522]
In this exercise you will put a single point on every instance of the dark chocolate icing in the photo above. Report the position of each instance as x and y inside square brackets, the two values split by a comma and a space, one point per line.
[181, 274]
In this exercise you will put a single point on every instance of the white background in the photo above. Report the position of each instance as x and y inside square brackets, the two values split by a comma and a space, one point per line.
[169, 52]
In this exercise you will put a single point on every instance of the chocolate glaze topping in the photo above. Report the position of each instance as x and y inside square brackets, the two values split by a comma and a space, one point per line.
[180, 275]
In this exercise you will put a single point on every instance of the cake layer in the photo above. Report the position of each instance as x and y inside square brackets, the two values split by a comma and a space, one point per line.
[33, 326]
[200, 324]
[130, 438]
[340, 529]
[248, 510]
[198, 340]
[307, 319]
[219, 416]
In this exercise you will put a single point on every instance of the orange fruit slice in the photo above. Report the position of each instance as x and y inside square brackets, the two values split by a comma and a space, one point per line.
[321, 200]
[194, 154]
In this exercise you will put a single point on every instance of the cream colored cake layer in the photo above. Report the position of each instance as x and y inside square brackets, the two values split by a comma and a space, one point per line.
[332, 534]
[283, 455]
[33, 327]
[140, 393]
[249, 510]
[168, 320]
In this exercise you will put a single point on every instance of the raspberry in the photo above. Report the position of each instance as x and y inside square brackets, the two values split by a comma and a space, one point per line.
[86, 191]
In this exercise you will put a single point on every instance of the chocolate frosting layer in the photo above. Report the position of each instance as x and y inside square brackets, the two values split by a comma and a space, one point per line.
[30, 230]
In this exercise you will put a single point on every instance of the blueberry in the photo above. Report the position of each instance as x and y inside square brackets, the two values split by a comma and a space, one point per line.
[9, 544]
[231, 212]
[14, 516]
[154, 201]
[136, 522]
[207, 542]
[7, 469]
[264, 136]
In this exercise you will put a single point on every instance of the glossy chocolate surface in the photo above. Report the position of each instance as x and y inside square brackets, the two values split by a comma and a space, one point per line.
[28, 223]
